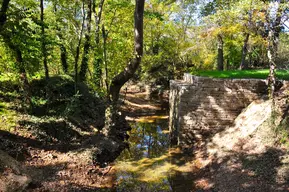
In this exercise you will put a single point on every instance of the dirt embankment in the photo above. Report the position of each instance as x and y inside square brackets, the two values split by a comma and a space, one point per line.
[55, 138]
[248, 156]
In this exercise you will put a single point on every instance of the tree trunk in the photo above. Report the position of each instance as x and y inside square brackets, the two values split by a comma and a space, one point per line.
[63, 51]
[21, 69]
[97, 52]
[104, 37]
[63, 57]
[271, 57]
[44, 51]
[84, 62]
[244, 64]
[220, 66]
[3, 13]
[78, 49]
[23, 77]
[250, 56]
[273, 42]
[119, 80]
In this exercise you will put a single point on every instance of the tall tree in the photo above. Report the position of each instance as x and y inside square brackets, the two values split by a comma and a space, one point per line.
[274, 17]
[63, 51]
[44, 50]
[220, 65]
[3, 13]
[248, 25]
[76, 58]
[244, 64]
[86, 48]
[120, 79]
[97, 58]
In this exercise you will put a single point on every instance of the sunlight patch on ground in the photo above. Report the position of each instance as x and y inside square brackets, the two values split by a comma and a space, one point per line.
[144, 106]
[136, 95]
[147, 119]
[203, 184]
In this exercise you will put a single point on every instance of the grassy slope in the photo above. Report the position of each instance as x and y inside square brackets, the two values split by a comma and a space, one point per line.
[252, 74]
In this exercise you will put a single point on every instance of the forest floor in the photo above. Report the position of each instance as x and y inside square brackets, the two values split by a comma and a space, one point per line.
[58, 167]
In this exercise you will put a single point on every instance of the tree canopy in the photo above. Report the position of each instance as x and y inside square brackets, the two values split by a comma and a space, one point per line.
[93, 40]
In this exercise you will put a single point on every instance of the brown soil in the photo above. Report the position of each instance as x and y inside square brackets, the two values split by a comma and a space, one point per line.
[60, 167]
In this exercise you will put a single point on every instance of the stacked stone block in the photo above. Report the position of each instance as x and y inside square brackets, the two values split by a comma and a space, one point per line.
[202, 106]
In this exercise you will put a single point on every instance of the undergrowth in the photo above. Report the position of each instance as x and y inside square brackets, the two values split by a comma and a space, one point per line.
[55, 112]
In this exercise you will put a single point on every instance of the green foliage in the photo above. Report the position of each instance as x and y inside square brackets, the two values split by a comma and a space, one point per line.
[9, 86]
[22, 30]
[179, 36]
[38, 101]
[232, 20]
[72, 106]
[6, 60]
[52, 101]
[118, 21]
[166, 44]
[57, 98]
[283, 51]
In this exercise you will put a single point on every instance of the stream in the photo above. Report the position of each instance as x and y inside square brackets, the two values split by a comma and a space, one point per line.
[151, 164]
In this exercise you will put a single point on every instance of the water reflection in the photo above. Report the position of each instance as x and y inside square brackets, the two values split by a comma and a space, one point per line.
[147, 140]
[149, 164]
[141, 168]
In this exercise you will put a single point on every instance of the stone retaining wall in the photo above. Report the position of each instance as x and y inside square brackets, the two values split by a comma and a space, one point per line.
[202, 106]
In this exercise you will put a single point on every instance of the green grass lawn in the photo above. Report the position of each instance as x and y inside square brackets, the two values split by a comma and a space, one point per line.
[250, 74]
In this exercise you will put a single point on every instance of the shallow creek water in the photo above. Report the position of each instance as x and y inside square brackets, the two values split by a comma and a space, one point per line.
[150, 164]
